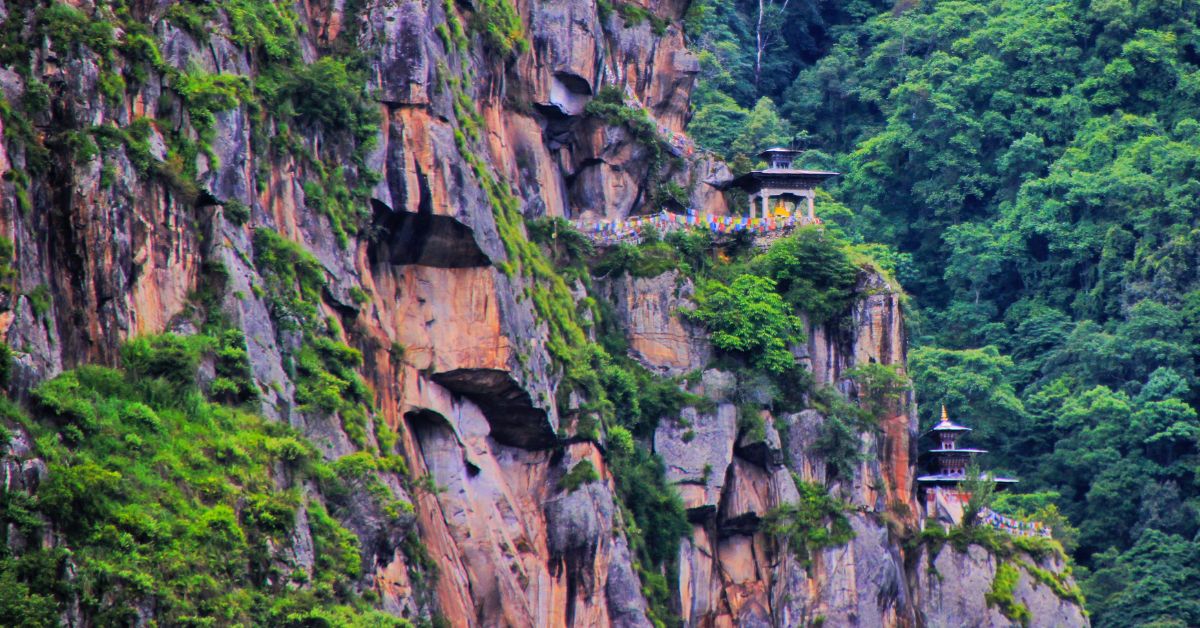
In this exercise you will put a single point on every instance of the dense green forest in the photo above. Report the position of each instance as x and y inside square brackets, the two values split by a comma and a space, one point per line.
[1034, 167]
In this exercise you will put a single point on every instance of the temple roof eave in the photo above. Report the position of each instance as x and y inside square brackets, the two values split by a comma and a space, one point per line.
[948, 427]
[779, 150]
[800, 179]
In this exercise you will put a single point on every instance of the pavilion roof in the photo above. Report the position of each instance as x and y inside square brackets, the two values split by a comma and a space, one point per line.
[801, 178]
[946, 425]
[779, 150]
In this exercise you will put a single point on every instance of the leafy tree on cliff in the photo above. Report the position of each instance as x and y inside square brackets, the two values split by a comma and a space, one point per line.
[748, 317]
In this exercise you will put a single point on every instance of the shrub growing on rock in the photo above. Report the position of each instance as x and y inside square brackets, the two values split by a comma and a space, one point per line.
[748, 317]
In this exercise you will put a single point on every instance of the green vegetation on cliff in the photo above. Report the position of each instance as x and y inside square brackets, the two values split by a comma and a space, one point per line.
[748, 300]
[812, 523]
[749, 317]
[752, 319]
[323, 368]
[1001, 594]
[543, 255]
[170, 502]
[288, 102]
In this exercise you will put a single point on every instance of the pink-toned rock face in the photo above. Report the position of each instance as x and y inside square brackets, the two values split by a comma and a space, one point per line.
[757, 582]
[567, 45]
[730, 572]
[521, 550]
[517, 147]
[446, 318]
[697, 451]
[648, 309]
[167, 263]
[879, 337]
[747, 497]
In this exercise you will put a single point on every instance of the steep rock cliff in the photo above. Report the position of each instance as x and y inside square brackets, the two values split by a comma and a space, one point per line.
[950, 583]
[139, 207]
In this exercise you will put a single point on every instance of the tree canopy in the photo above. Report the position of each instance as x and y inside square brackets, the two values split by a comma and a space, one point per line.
[1035, 169]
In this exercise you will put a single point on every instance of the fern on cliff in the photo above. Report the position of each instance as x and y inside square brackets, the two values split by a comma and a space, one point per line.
[1001, 594]
[813, 522]
[499, 24]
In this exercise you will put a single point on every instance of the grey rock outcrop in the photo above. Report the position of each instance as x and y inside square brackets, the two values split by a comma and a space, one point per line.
[950, 587]
[697, 450]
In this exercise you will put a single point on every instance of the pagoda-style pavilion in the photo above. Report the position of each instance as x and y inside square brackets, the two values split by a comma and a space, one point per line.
[779, 180]
[949, 464]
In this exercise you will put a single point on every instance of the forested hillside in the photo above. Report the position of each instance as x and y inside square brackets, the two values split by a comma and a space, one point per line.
[1033, 168]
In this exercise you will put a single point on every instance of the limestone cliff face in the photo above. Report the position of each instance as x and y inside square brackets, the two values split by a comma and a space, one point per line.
[472, 389]
[730, 572]
[949, 583]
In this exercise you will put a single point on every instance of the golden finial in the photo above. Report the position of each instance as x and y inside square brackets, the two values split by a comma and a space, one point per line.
[945, 419]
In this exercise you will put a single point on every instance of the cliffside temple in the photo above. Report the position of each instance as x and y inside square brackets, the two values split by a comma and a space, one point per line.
[944, 495]
[780, 182]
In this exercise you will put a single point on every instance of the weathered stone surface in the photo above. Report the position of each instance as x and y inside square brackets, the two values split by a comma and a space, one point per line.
[645, 62]
[424, 239]
[710, 175]
[610, 166]
[567, 53]
[697, 451]
[718, 386]
[398, 32]
[578, 520]
[698, 589]
[425, 174]
[877, 336]
[951, 591]
[527, 157]
[746, 572]
[484, 523]
[864, 579]
[648, 310]
[1046, 608]
[626, 606]
[862, 583]
[451, 322]
[762, 447]
[745, 500]
[957, 600]
[800, 450]
[249, 313]
[514, 418]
